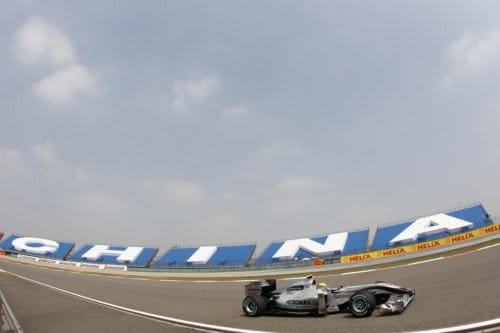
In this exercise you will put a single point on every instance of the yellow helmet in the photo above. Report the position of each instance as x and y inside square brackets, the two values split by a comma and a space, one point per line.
[322, 284]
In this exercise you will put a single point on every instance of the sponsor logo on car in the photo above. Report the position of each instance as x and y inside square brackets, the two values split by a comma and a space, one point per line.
[300, 303]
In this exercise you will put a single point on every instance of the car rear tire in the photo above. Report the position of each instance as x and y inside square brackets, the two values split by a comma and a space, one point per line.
[362, 304]
[254, 306]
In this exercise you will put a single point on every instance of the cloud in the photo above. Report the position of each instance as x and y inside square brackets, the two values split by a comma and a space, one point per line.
[220, 221]
[39, 42]
[13, 159]
[46, 153]
[189, 94]
[228, 197]
[278, 149]
[235, 111]
[65, 85]
[182, 191]
[301, 184]
[149, 185]
[96, 201]
[81, 175]
[176, 190]
[471, 53]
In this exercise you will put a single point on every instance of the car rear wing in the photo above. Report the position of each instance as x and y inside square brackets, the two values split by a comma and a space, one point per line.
[260, 288]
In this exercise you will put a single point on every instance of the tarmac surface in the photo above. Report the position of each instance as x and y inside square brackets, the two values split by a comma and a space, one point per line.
[452, 291]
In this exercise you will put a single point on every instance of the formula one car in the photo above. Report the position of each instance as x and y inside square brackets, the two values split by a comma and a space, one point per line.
[305, 296]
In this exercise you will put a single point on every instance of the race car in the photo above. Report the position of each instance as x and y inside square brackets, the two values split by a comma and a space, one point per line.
[305, 296]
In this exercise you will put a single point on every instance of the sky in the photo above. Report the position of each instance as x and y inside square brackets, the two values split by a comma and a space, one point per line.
[161, 123]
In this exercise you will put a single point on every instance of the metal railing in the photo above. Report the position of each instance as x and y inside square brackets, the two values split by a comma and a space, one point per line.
[8, 322]
[217, 269]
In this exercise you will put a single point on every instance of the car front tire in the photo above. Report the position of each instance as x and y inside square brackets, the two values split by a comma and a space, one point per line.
[362, 304]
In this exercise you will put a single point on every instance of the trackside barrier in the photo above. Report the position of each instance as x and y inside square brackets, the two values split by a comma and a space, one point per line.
[422, 246]
[437, 246]
[8, 322]
[30, 258]
[73, 264]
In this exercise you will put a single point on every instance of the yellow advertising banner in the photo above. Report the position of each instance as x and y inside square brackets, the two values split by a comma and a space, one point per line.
[421, 246]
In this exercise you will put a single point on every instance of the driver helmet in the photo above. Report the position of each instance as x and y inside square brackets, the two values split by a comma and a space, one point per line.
[322, 284]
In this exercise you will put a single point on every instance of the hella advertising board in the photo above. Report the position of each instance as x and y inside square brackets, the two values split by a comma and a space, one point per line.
[316, 247]
[234, 255]
[115, 255]
[431, 227]
[37, 246]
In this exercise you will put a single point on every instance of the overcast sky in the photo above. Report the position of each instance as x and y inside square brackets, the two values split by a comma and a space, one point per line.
[201, 122]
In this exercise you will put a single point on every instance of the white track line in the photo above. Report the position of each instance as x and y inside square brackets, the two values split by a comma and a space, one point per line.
[359, 272]
[169, 320]
[424, 261]
[487, 247]
[205, 281]
[465, 328]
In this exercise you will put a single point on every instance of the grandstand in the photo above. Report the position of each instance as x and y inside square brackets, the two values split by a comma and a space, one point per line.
[355, 242]
[233, 256]
[475, 214]
[300, 251]
[124, 255]
[37, 246]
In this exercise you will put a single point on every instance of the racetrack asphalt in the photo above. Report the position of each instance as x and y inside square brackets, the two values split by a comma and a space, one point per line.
[452, 291]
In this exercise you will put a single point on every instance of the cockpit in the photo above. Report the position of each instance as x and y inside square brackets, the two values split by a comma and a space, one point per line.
[307, 283]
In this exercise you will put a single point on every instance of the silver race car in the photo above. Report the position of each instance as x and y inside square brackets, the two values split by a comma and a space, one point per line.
[305, 296]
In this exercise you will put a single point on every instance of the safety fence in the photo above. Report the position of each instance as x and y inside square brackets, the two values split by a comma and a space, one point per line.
[72, 263]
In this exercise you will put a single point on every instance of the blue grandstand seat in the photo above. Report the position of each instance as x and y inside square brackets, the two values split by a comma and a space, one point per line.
[61, 253]
[236, 255]
[475, 214]
[356, 243]
[142, 260]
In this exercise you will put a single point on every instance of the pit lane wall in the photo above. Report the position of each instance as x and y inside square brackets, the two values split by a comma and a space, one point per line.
[419, 234]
